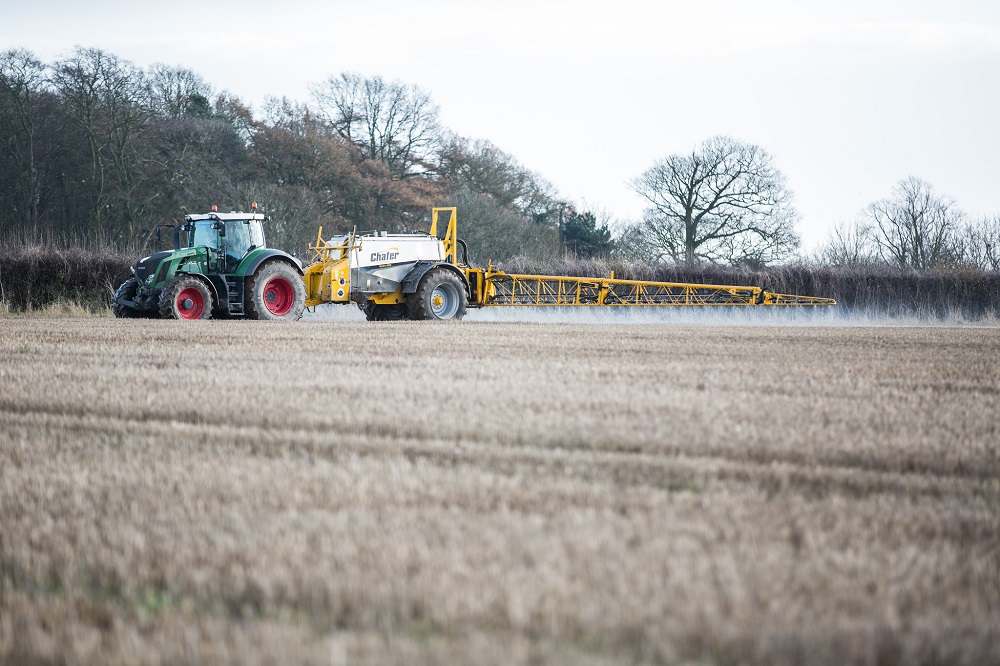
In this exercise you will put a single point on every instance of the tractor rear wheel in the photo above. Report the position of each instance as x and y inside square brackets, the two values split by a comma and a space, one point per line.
[186, 297]
[126, 292]
[276, 292]
[441, 295]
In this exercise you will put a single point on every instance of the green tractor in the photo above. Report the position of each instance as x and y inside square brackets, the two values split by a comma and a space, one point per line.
[219, 267]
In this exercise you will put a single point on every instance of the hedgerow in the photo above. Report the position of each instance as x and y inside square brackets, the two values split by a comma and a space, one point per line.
[33, 276]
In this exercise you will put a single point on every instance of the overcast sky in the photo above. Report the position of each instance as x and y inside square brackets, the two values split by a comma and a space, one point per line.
[849, 98]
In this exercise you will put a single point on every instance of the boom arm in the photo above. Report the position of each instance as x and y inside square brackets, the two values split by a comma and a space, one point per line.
[511, 290]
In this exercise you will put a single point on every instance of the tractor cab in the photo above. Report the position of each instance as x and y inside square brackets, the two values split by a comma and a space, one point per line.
[229, 236]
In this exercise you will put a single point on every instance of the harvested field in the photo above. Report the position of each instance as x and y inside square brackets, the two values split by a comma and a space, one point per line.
[497, 493]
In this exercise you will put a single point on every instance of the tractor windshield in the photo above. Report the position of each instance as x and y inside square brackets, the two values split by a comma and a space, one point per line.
[241, 237]
[201, 234]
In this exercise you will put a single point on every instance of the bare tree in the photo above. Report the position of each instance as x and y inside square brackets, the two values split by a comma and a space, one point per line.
[22, 88]
[107, 98]
[981, 243]
[391, 122]
[484, 168]
[726, 201]
[849, 244]
[292, 147]
[178, 91]
[915, 228]
[237, 113]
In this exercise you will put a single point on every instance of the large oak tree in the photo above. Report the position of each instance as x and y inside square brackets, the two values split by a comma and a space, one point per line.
[723, 202]
[390, 121]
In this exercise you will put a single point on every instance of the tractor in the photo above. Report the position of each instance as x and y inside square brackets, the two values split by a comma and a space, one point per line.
[219, 267]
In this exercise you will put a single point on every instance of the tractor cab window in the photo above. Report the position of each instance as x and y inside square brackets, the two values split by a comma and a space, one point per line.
[256, 233]
[201, 233]
[241, 237]
[237, 239]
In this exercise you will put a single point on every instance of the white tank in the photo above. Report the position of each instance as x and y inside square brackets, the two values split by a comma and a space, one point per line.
[375, 251]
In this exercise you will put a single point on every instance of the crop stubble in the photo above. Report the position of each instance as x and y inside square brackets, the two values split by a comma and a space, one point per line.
[497, 493]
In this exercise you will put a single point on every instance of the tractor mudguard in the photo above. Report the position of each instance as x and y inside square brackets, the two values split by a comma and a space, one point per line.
[412, 280]
[189, 261]
[209, 281]
[220, 292]
[252, 262]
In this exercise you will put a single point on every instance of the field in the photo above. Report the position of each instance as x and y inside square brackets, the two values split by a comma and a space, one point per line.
[498, 493]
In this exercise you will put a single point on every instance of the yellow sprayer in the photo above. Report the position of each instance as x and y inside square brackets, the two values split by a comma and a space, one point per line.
[421, 276]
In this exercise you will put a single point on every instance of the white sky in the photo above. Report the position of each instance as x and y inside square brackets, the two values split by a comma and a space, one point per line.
[849, 97]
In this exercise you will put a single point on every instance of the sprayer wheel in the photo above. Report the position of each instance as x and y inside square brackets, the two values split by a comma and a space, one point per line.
[385, 312]
[441, 295]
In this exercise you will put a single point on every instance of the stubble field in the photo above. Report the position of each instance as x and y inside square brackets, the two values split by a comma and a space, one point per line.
[497, 493]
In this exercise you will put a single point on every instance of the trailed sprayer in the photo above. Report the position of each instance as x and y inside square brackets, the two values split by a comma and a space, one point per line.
[422, 276]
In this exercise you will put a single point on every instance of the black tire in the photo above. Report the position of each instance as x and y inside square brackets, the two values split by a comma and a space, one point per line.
[441, 295]
[126, 292]
[276, 293]
[186, 297]
[385, 312]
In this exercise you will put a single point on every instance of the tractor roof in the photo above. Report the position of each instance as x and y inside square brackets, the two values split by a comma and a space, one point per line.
[226, 217]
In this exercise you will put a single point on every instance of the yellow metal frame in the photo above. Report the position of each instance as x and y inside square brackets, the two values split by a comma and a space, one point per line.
[328, 276]
[450, 234]
[503, 289]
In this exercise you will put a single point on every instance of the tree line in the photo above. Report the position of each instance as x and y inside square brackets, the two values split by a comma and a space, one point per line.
[97, 152]
[915, 228]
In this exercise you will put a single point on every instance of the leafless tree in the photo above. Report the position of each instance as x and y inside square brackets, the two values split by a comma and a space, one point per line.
[389, 121]
[178, 91]
[849, 244]
[237, 113]
[107, 98]
[915, 228]
[295, 148]
[484, 168]
[22, 88]
[723, 202]
[980, 243]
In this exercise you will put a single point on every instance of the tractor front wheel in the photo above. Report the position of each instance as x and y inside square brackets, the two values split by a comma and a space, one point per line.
[126, 292]
[186, 297]
[276, 292]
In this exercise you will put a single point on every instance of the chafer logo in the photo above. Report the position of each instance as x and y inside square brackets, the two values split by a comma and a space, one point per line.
[389, 255]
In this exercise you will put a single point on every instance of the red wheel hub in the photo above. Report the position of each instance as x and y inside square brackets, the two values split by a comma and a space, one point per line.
[279, 296]
[190, 303]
